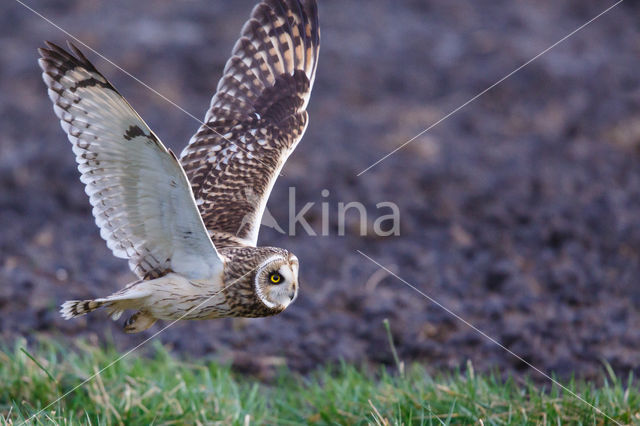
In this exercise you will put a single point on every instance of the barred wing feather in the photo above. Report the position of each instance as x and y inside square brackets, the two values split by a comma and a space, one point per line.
[256, 118]
[141, 198]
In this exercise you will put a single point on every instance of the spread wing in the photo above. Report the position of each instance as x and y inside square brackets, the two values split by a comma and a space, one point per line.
[141, 198]
[256, 118]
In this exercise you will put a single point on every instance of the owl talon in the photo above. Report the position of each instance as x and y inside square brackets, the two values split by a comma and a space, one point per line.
[138, 322]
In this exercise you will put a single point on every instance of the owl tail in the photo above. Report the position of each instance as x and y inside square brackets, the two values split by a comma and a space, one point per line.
[75, 308]
[127, 298]
[138, 322]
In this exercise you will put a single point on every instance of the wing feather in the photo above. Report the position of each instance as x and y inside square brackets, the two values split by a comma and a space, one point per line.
[141, 198]
[256, 118]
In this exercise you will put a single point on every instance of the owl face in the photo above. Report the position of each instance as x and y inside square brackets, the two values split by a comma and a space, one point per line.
[276, 281]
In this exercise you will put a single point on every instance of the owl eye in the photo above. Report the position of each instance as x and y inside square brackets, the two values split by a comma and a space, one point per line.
[275, 277]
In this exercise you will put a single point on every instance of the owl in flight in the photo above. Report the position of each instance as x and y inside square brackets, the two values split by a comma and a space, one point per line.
[185, 224]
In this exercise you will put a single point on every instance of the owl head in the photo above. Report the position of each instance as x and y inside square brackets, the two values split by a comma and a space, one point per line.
[276, 280]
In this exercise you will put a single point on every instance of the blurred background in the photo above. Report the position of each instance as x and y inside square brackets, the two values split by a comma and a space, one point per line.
[521, 212]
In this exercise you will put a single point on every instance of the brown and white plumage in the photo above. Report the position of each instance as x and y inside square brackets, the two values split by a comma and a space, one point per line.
[162, 214]
[256, 118]
[141, 198]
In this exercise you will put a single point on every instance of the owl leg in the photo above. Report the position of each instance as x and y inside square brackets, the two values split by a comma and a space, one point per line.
[138, 322]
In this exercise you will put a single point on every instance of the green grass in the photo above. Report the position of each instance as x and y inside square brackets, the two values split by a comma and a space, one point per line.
[160, 389]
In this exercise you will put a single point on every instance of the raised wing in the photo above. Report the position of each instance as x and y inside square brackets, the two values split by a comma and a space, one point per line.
[141, 198]
[256, 118]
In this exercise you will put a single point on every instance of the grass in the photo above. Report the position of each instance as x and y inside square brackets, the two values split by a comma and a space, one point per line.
[160, 389]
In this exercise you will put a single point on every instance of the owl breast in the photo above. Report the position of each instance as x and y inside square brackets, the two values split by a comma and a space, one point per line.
[176, 297]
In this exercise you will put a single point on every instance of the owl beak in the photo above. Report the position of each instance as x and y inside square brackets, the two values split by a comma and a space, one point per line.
[294, 291]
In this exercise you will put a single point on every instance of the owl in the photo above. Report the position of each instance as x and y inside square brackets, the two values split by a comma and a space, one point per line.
[186, 225]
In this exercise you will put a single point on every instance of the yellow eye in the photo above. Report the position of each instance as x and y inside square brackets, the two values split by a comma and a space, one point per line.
[275, 277]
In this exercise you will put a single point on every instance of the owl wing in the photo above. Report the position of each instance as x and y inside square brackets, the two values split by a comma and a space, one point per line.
[141, 198]
[256, 118]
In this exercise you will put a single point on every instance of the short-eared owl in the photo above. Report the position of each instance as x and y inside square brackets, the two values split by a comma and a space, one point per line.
[189, 226]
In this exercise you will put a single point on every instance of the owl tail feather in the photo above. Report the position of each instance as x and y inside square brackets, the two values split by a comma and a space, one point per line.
[116, 303]
[75, 308]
